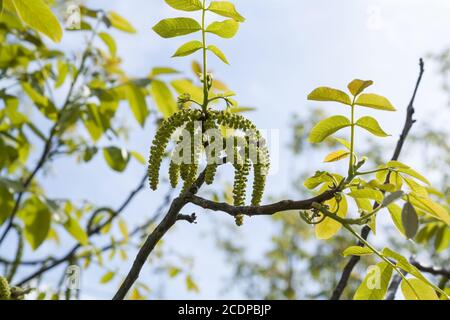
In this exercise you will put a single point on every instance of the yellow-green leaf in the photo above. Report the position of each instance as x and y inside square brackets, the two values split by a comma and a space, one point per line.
[107, 277]
[137, 102]
[174, 27]
[410, 221]
[406, 169]
[396, 215]
[116, 158]
[430, 207]
[367, 193]
[37, 219]
[47, 108]
[329, 227]
[329, 94]
[73, 227]
[109, 42]
[120, 23]
[374, 101]
[225, 9]
[123, 229]
[185, 5]
[188, 48]
[39, 16]
[422, 291]
[163, 98]
[376, 282]
[371, 125]
[357, 251]
[336, 156]
[225, 29]
[357, 86]
[327, 127]
[218, 53]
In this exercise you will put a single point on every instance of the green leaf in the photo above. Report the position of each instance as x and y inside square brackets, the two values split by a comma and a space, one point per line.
[406, 169]
[191, 285]
[73, 227]
[162, 70]
[329, 94]
[163, 98]
[137, 102]
[327, 127]
[396, 215]
[37, 219]
[430, 207]
[374, 101]
[120, 23]
[186, 86]
[376, 282]
[63, 70]
[357, 86]
[188, 48]
[138, 157]
[367, 193]
[316, 180]
[422, 291]
[357, 251]
[39, 16]
[225, 29]
[185, 5]
[109, 42]
[344, 142]
[410, 220]
[174, 27]
[107, 277]
[225, 9]
[371, 125]
[218, 53]
[6, 204]
[336, 156]
[116, 158]
[123, 229]
[329, 227]
[43, 103]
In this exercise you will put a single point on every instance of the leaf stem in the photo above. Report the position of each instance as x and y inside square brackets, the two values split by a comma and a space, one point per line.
[205, 81]
[352, 140]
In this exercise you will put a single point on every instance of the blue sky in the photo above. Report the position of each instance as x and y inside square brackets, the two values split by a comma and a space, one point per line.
[283, 51]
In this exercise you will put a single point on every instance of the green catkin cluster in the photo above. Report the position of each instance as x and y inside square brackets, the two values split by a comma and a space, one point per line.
[252, 151]
[5, 290]
[211, 157]
[162, 138]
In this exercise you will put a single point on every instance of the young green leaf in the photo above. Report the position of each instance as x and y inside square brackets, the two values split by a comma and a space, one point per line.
[371, 125]
[218, 53]
[6, 203]
[73, 227]
[327, 127]
[225, 29]
[174, 27]
[109, 42]
[423, 290]
[188, 48]
[116, 158]
[336, 156]
[344, 142]
[410, 220]
[37, 219]
[374, 101]
[329, 94]
[329, 227]
[225, 9]
[376, 282]
[163, 98]
[63, 70]
[430, 207]
[396, 215]
[367, 193]
[357, 251]
[120, 23]
[39, 16]
[357, 86]
[137, 102]
[185, 5]
[406, 169]
[107, 277]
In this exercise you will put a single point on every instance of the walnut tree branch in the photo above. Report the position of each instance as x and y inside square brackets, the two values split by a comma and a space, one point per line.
[409, 121]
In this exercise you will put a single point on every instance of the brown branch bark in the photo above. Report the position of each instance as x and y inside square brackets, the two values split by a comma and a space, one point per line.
[409, 121]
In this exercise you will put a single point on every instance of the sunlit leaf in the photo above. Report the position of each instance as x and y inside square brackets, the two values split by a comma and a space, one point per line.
[6, 204]
[116, 158]
[225, 9]
[137, 102]
[327, 127]
[174, 27]
[163, 98]
[416, 289]
[185, 5]
[37, 219]
[357, 251]
[329, 227]
[218, 53]
[374, 101]
[73, 227]
[367, 193]
[109, 42]
[225, 29]
[336, 156]
[120, 23]
[329, 94]
[371, 125]
[376, 282]
[107, 277]
[188, 48]
[357, 86]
